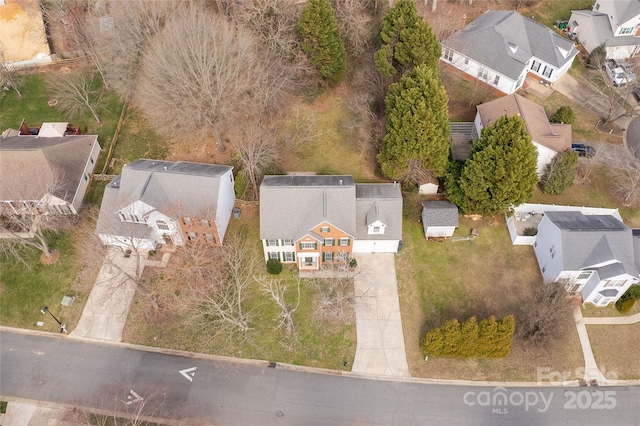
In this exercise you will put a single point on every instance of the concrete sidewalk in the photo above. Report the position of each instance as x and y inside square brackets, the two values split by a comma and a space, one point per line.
[380, 349]
[631, 319]
[106, 310]
[591, 370]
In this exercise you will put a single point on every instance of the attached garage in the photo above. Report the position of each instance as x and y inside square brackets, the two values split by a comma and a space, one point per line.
[375, 246]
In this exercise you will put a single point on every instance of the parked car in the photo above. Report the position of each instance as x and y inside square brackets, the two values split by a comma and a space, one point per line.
[583, 150]
[619, 72]
[636, 93]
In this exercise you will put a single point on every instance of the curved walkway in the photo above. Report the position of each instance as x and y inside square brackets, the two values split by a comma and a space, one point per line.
[380, 349]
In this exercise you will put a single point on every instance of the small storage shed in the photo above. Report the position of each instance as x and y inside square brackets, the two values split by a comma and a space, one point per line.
[439, 218]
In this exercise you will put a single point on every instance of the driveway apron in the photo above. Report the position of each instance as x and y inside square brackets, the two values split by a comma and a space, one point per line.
[380, 349]
[106, 311]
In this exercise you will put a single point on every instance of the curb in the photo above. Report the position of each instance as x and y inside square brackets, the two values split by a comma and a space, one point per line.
[315, 370]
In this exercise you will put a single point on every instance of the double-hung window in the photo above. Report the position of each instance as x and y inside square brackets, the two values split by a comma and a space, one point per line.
[343, 242]
[308, 246]
[328, 242]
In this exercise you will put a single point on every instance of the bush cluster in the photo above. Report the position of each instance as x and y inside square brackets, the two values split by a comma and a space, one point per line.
[489, 338]
[624, 304]
[274, 267]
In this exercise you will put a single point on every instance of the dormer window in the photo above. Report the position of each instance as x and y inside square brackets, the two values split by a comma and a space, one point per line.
[376, 228]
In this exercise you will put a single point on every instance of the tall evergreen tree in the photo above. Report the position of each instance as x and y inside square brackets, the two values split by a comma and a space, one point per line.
[407, 41]
[500, 171]
[417, 126]
[560, 172]
[321, 40]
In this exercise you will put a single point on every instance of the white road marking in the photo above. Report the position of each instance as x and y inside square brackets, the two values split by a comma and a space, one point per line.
[189, 373]
[132, 398]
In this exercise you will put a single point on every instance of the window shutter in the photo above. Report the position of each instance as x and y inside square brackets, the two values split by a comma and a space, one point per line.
[277, 242]
[266, 242]
[323, 257]
[300, 246]
[294, 256]
[315, 246]
[348, 242]
[278, 256]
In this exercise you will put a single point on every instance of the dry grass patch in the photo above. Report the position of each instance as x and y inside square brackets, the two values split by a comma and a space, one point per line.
[334, 145]
[438, 281]
[615, 348]
[589, 310]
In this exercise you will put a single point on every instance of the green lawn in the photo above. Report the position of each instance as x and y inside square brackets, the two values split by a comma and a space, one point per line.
[553, 10]
[24, 291]
[438, 281]
[137, 140]
[320, 343]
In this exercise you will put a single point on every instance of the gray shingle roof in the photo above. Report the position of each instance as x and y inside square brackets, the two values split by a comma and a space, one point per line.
[505, 40]
[290, 206]
[37, 160]
[439, 213]
[591, 239]
[176, 189]
[378, 201]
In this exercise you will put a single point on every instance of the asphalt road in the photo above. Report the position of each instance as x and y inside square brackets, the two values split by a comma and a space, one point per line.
[633, 137]
[106, 377]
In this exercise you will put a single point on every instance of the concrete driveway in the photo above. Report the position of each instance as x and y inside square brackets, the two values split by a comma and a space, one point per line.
[380, 349]
[585, 94]
[105, 313]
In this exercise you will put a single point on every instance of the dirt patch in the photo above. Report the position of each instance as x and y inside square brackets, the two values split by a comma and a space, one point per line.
[21, 22]
[50, 260]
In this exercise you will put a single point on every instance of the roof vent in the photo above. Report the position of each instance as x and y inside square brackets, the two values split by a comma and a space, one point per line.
[165, 168]
[340, 181]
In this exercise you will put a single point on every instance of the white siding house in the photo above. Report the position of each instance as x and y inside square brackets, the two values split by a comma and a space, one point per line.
[612, 23]
[45, 168]
[159, 202]
[501, 47]
[591, 254]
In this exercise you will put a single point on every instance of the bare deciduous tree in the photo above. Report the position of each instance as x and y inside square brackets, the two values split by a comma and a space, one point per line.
[626, 179]
[277, 289]
[357, 25]
[77, 92]
[28, 220]
[256, 151]
[9, 77]
[546, 316]
[219, 301]
[334, 301]
[203, 72]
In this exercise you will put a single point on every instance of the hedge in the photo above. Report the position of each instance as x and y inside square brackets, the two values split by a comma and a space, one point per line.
[489, 338]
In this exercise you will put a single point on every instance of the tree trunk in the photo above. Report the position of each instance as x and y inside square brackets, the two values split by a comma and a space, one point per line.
[219, 141]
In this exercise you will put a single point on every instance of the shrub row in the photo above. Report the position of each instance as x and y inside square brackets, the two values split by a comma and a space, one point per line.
[489, 338]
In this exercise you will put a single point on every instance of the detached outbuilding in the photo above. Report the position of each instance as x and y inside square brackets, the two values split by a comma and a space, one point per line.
[439, 218]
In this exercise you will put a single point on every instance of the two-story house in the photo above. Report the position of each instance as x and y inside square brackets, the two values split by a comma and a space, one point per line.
[548, 138]
[45, 169]
[594, 255]
[501, 47]
[612, 23]
[311, 220]
[153, 202]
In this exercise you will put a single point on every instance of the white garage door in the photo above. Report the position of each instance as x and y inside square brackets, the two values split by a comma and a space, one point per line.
[370, 246]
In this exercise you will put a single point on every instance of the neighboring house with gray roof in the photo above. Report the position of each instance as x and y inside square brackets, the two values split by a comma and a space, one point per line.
[439, 218]
[548, 138]
[47, 169]
[501, 47]
[595, 255]
[314, 220]
[612, 23]
[160, 202]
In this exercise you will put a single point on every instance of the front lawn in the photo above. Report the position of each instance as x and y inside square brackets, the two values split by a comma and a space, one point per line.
[24, 291]
[438, 281]
[320, 343]
[615, 348]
